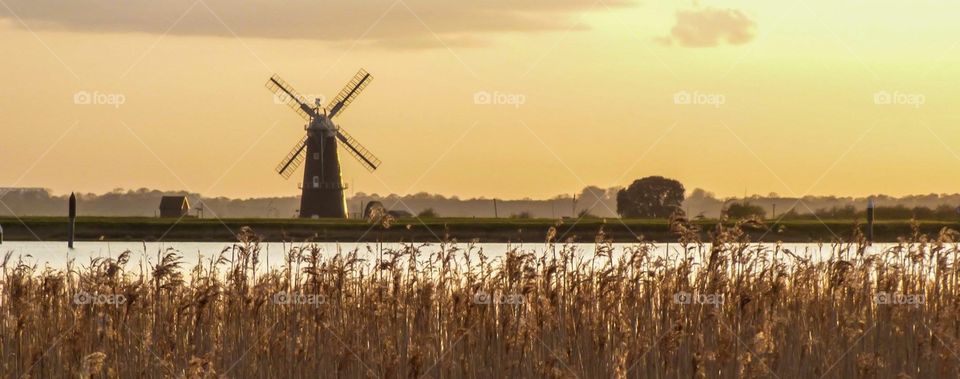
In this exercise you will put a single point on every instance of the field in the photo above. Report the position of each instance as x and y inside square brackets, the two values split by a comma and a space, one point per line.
[733, 310]
[433, 229]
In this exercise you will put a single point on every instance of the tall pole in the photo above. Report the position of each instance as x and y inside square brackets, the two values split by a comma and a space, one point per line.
[495, 213]
[71, 224]
[870, 217]
[574, 214]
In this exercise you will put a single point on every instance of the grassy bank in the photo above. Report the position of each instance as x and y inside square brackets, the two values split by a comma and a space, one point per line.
[431, 229]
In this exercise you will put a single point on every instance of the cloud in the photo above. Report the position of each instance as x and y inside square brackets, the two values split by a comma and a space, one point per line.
[464, 23]
[710, 27]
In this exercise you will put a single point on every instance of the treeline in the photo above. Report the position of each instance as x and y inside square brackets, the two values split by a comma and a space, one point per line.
[943, 212]
[145, 202]
[590, 201]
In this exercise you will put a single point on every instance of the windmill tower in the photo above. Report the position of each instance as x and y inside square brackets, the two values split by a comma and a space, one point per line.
[322, 185]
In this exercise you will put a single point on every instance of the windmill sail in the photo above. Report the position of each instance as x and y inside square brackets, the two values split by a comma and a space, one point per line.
[293, 159]
[350, 92]
[285, 93]
[366, 158]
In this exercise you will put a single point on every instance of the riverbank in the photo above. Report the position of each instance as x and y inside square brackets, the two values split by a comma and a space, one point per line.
[433, 229]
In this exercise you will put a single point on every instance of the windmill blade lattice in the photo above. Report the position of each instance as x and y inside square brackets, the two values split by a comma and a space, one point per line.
[290, 96]
[294, 159]
[350, 92]
[366, 158]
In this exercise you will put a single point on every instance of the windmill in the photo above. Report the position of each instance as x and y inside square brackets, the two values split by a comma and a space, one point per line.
[322, 187]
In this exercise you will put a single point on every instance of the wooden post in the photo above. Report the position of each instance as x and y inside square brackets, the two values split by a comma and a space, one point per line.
[495, 213]
[71, 224]
[870, 217]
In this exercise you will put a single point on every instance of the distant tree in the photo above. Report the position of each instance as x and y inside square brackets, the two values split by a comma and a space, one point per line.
[744, 210]
[586, 214]
[946, 212]
[896, 212]
[846, 212]
[428, 213]
[524, 214]
[923, 213]
[792, 214]
[650, 197]
[400, 214]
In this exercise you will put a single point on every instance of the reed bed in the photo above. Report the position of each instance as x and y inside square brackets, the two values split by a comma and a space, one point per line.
[727, 309]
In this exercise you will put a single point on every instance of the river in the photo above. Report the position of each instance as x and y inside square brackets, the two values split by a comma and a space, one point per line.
[55, 254]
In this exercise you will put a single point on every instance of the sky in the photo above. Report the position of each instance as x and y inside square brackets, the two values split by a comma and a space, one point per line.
[507, 99]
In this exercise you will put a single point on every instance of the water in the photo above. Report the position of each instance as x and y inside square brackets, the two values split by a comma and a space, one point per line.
[55, 254]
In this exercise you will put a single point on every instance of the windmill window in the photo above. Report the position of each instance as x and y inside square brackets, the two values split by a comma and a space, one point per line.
[316, 182]
[316, 156]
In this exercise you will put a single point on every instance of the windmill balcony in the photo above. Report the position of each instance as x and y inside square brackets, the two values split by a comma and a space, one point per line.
[325, 186]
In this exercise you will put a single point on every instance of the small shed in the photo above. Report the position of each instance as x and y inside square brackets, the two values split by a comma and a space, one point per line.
[174, 206]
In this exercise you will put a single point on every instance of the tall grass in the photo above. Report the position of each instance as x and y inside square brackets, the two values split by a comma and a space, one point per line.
[452, 311]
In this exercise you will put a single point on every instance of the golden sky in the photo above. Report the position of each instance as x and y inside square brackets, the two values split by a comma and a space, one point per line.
[793, 97]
